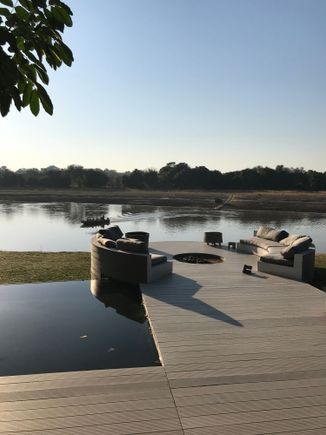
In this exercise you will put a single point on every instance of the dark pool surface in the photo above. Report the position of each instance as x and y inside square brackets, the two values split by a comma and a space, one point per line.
[81, 325]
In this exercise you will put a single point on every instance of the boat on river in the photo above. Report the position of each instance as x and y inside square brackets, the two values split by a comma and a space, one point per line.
[95, 222]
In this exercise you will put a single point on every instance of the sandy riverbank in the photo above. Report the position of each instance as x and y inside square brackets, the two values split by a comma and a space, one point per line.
[241, 200]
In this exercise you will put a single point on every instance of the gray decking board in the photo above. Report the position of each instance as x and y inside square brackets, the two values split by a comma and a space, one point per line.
[241, 355]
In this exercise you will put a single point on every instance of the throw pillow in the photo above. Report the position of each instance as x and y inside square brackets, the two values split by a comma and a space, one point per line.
[107, 242]
[263, 231]
[299, 245]
[276, 235]
[290, 239]
[113, 232]
[132, 245]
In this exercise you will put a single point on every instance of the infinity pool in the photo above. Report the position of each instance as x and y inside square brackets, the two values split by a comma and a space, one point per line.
[68, 326]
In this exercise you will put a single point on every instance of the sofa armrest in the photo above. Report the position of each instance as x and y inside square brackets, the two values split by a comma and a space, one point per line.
[302, 269]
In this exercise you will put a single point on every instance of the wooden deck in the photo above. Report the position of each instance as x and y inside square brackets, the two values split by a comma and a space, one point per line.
[242, 355]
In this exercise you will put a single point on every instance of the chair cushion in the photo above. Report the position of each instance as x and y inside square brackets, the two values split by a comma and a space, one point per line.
[132, 245]
[107, 242]
[276, 235]
[113, 232]
[290, 239]
[299, 245]
[263, 231]
[158, 259]
[276, 259]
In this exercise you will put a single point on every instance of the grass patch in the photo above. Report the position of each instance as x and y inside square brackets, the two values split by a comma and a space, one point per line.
[320, 272]
[27, 267]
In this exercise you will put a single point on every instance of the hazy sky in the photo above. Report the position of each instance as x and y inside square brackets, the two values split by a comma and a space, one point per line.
[227, 84]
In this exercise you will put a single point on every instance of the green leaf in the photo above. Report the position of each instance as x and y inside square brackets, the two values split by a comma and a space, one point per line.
[20, 43]
[4, 12]
[61, 15]
[22, 13]
[64, 52]
[33, 58]
[27, 94]
[16, 97]
[45, 99]
[6, 36]
[8, 69]
[26, 4]
[7, 3]
[21, 86]
[30, 72]
[5, 102]
[67, 8]
[55, 57]
[35, 103]
[42, 74]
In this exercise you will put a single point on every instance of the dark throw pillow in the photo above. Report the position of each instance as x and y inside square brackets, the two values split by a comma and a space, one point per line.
[276, 235]
[132, 245]
[113, 232]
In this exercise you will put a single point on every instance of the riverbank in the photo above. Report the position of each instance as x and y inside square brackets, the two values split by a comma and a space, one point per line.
[237, 200]
[29, 267]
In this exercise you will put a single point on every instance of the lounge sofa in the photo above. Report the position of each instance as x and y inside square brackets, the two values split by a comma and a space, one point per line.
[283, 254]
[124, 259]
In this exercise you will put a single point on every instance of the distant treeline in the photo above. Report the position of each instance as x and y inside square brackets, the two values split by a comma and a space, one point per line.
[171, 176]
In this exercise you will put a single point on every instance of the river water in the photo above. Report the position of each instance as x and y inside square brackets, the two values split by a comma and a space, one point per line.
[56, 226]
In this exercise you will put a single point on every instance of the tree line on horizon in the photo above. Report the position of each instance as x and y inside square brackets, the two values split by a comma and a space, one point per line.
[172, 176]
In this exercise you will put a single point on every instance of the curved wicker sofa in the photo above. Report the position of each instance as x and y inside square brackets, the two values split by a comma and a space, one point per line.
[126, 266]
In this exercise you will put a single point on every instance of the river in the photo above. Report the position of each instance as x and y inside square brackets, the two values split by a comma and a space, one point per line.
[56, 226]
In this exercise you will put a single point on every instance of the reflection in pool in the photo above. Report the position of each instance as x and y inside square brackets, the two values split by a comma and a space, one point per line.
[125, 299]
[54, 327]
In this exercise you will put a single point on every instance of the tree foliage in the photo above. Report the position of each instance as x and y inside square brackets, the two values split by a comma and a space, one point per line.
[182, 176]
[31, 37]
[74, 176]
[175, 176]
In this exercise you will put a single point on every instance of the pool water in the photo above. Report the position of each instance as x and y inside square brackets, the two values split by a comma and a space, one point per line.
[68, 326]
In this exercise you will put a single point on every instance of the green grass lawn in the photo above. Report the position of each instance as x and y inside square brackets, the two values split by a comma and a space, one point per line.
[26, 267]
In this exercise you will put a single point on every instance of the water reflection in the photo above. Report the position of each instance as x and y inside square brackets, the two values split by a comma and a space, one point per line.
[271, 218]
[9, 208]
[125, 299]
[133, 209]
[74, 212]
[186, 220]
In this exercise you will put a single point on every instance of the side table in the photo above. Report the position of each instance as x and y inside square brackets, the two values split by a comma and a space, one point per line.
[213, 238]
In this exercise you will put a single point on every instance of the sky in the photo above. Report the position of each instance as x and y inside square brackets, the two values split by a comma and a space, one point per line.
[227, 84]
